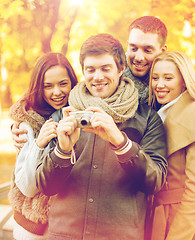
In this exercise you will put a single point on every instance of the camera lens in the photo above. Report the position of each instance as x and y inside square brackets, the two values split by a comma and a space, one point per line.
[84, 122]
[85, 119]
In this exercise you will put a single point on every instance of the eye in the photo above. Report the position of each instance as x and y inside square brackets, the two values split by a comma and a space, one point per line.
[47, 86]
[154, 78]
[148, 50]
[63, 84]
[90, 70]
[106, 69]
[168, 78]
[133, 49]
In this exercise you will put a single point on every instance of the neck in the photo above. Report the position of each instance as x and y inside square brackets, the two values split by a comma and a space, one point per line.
[141, 83]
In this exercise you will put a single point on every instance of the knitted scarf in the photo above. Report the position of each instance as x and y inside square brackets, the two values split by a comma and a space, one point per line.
[121, 105]
[142, 84]
[36, 208]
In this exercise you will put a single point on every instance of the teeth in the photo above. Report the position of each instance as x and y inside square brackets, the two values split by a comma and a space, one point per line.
[161, 93]
[140, 66]
[58, 99]
[99, 85]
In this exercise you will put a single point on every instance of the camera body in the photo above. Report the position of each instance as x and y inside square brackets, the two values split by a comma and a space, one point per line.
[83, 118]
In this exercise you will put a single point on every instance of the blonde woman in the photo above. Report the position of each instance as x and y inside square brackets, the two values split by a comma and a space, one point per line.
[172, 84]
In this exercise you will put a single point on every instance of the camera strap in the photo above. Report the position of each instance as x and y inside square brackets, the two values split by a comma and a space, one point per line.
[73, 155]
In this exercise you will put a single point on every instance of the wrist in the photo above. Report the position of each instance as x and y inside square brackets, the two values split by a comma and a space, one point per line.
[38, 143]
[65, 151]
[126, 141]
[119, 141]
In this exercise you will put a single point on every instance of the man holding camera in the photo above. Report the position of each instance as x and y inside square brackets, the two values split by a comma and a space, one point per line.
[101, 175]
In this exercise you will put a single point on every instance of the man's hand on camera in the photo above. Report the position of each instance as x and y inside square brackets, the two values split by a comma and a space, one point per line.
[67, 131]
[103, 125]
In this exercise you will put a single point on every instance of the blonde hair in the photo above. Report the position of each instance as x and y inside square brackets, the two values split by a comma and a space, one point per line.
[184, 65]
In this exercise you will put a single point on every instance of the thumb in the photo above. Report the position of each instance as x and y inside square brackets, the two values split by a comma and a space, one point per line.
[66, 110]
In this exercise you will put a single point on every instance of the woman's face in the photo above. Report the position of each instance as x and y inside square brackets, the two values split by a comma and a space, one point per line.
[167, 81]
[57, 86]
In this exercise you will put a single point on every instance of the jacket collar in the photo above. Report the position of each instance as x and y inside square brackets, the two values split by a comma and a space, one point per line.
[179, 124]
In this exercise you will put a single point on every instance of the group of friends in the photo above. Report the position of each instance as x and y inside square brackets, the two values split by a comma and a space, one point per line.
[130, 174]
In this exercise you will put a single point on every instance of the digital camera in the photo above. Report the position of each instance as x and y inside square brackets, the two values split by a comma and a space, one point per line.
[83, 118]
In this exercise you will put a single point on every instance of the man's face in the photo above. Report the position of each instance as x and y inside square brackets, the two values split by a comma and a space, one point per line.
[141, 50]
[101, 75]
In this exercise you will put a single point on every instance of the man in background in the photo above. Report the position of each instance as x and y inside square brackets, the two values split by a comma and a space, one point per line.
[147, 39]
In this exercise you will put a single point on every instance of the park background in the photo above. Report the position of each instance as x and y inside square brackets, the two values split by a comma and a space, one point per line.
[30, 28]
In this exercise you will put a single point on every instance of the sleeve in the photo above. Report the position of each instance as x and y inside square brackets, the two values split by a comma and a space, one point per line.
[54, 168]
[26, 163]
[183, 226]
[148, 158]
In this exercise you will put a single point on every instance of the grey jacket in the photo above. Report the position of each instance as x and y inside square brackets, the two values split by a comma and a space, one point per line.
[103, 196]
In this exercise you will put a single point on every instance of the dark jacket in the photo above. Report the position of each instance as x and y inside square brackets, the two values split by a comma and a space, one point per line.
[103, 196]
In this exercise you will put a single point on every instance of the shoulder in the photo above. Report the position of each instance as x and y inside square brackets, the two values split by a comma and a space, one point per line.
[147, 112]
[179, 124]
[30, 134]
[182, 113]
[17, 111]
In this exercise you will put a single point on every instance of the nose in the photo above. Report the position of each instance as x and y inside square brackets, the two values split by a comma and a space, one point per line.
[160, 83]
[139, 55]
[56, 90]
[98, 75]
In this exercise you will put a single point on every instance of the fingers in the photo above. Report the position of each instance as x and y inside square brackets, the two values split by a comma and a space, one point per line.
[18, 146]
[50, 123]
[66, 110]
[16, 131]
[47, 133]
[18, 140]
[67, 126]
[95, 109]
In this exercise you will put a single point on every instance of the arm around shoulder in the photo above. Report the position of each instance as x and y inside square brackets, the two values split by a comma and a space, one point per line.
[25, 167]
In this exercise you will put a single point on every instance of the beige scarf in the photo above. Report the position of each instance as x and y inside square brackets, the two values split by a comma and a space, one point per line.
[121, 105]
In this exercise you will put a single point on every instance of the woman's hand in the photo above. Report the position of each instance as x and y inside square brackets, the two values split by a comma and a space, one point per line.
[47, 132]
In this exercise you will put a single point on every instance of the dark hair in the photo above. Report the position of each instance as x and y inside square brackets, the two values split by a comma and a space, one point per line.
[35, 92]
[100, 44]
[151, 24]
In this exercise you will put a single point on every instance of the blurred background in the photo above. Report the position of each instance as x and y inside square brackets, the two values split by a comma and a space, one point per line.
[29, 28]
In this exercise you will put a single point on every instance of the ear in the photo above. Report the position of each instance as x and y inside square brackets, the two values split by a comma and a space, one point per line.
[122, 71]
[164, 48]
[184, 86]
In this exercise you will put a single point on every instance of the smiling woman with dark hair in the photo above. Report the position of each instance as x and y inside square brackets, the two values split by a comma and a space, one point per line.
[52, 79]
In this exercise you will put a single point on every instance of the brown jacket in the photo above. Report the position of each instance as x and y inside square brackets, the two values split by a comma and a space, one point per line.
[174, 215]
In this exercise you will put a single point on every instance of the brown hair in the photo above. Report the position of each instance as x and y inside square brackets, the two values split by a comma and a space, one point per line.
[151, 24]
[34, 94]
[100, 44]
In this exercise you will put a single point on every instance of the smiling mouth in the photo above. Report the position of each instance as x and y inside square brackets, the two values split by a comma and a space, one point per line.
[99, 85]
[58, 99]
[162, 94]
[139, 65]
